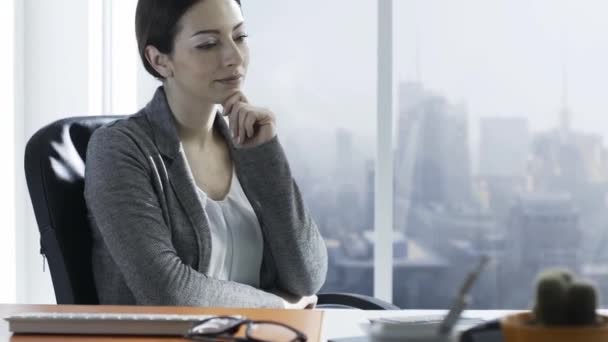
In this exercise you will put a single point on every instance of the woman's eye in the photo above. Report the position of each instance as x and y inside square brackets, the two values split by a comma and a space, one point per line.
[206, 46]
[241, 37]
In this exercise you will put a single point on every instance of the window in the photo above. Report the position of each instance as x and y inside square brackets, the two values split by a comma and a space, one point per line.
[500, 129]
[319, 77]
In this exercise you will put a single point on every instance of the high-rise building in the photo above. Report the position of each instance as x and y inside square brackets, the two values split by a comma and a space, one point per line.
[458, 184]
[566, 164]
[504, 146]
[542, 232]
[344, 159]
[432, 161]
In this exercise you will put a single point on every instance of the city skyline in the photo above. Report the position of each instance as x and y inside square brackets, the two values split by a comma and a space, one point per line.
[544, 193]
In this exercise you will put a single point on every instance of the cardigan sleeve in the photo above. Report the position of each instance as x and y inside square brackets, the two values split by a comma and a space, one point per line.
[125, 210]
[296, 246]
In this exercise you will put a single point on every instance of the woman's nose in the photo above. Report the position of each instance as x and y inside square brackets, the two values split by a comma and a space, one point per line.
[233, 55]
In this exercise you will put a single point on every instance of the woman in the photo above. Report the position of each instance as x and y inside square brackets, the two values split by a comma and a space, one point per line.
[186, 208]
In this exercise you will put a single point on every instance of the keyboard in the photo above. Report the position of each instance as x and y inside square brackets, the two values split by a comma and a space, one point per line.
[89, 323]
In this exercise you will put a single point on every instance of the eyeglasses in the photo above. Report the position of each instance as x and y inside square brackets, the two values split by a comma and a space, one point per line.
[224, 328]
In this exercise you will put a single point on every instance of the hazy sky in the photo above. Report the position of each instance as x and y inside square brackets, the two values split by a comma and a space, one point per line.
[315, 62]
[505, 57]
[316, 59]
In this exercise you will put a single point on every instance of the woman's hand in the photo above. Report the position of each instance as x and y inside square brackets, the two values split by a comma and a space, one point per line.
[294, 302]
[250, 126]
[307, 302]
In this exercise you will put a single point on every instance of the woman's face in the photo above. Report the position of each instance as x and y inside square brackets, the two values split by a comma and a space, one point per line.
[210, 54]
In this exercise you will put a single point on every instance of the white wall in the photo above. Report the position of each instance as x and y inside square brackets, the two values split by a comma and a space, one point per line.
[124, 57]
[55, 85]
[7, 140]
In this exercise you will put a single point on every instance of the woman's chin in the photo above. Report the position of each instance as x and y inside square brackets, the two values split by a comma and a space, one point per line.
[226, 93]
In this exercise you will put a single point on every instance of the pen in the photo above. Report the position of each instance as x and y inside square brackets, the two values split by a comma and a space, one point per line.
[463, 299]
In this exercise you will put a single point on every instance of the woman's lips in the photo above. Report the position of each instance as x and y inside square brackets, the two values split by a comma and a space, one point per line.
[231, 80]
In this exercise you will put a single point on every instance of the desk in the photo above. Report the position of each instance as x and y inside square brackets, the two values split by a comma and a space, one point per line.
[339, 323]
[336, 323]
[307, 321]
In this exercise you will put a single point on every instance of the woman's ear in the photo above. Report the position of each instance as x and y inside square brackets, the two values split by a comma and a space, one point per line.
[159, 61]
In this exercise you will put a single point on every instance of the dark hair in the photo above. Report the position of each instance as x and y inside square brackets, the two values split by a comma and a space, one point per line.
[156, 24]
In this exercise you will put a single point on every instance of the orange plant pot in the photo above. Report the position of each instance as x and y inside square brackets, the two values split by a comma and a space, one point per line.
[517, 328]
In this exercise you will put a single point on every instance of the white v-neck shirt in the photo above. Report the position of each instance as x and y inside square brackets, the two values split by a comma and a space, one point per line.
[236, 237]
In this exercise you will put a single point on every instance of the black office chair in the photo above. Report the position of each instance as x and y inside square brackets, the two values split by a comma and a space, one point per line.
[54, 167]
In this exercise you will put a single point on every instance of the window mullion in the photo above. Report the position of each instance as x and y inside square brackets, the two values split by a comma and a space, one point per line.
[383, 202]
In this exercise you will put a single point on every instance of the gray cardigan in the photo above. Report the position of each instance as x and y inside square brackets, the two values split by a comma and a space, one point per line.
[151, 238]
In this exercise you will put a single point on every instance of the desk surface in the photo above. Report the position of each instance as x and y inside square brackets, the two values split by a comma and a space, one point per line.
[307, 321]
[349, 323]
[334, 323]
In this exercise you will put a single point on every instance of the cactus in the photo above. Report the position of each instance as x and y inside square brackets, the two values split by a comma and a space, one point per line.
[581, 304]
[562, 301]
[550, 296]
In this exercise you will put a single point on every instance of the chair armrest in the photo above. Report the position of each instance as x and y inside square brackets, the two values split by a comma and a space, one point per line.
[352, 300]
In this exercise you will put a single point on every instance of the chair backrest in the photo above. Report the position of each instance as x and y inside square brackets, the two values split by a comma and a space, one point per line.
[54, 168]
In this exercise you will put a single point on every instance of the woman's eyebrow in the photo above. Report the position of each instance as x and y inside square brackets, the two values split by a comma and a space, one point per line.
[218, 31]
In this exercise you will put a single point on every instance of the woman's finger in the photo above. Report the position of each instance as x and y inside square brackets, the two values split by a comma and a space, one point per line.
[249, 123]
[230, 102]
[243, 112]
[242, 97]
[233, 119]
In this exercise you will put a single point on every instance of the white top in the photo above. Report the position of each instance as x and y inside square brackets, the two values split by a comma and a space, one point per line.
[236, 237]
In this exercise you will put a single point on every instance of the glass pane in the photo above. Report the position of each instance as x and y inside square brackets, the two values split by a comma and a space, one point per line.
[500, 147]
[314, 64]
